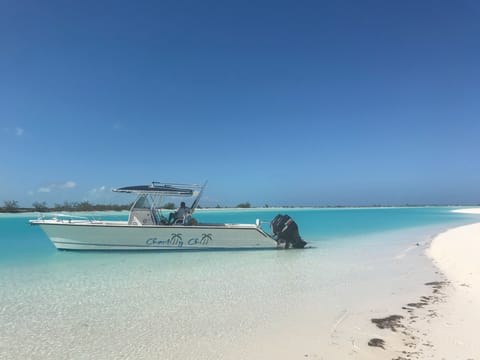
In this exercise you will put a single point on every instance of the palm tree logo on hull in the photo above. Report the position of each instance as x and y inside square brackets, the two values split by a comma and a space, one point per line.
[205, 239]
[176, 239]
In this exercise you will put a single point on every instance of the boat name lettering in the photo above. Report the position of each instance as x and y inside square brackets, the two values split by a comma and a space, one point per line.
[202, 241]
[175, 240]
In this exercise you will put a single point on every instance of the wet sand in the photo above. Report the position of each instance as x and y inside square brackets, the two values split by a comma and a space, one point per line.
[443, 323]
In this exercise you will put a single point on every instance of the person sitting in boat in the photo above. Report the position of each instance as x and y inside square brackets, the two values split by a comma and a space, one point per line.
[181, 214]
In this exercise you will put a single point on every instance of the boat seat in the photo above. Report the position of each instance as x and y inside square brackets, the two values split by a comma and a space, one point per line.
[161, 220]
[185, 221]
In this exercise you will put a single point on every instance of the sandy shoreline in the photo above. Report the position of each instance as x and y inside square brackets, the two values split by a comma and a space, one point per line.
[443, 324]
[456, 253]
[439, 321]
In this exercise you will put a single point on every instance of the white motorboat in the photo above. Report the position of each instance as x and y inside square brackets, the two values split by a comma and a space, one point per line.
[148, 229]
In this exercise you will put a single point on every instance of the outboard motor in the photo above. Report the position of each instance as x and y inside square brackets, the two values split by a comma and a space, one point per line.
[285, 230]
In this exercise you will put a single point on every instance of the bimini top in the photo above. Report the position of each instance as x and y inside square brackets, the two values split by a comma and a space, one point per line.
[161, 189]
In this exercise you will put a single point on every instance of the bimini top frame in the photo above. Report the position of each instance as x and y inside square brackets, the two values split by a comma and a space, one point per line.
[158, 190]
[166, 189]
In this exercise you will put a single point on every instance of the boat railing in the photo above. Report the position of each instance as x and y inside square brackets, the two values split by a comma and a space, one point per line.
[66, 217]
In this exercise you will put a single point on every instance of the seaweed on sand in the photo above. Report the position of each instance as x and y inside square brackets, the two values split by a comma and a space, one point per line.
[391, 322]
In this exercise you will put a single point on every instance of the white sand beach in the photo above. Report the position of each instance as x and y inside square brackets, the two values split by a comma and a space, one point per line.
[443, 323]
[454, 333]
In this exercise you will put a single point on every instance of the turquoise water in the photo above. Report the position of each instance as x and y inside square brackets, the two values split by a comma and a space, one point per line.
[22, 244]
[213, 304]
[336, 223]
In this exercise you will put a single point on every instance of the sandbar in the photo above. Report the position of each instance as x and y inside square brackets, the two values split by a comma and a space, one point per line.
[475, 211]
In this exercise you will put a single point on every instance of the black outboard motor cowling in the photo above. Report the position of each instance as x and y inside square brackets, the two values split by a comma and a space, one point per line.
[285, 231]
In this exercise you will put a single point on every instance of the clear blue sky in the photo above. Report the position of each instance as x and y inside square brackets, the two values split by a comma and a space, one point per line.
[274, 102]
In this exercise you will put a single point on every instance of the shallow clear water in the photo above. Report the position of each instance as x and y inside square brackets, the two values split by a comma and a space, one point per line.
[204, 304]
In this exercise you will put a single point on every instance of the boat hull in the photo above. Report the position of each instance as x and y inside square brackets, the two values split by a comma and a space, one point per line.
[87, 235]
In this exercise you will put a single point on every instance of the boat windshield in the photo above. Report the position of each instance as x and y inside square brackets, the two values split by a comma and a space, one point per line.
[143, 202]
